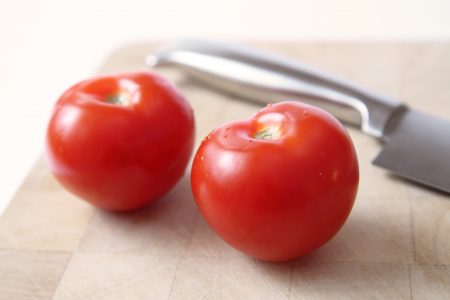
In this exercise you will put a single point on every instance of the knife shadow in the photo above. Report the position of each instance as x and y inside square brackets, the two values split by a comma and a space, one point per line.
[416, 188]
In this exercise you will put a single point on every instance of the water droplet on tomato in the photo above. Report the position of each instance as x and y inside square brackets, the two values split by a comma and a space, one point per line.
[305, 113]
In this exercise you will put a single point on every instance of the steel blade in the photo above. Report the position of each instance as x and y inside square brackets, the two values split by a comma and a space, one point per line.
[418, 148]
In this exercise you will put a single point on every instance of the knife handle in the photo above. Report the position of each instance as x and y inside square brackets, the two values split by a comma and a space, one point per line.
[267, 78]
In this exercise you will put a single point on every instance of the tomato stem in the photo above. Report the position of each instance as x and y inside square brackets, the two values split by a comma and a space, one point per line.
[268, 133]
[118, 99]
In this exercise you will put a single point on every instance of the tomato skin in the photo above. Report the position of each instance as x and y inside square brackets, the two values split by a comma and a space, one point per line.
[120, 157]
[277, 199]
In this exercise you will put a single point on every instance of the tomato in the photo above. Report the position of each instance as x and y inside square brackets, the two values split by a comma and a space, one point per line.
[120, 142]
[278, 185]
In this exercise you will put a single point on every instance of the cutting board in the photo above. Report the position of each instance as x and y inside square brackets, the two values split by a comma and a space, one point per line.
[395, 245]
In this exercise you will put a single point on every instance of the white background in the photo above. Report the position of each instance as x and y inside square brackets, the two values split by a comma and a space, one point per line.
[46, 46]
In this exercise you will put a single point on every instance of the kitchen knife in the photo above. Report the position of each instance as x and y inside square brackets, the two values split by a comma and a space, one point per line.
[416, 145]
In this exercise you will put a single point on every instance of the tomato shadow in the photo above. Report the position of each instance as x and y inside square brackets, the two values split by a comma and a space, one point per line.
[162, 227]
[373, 242]
[371, 237]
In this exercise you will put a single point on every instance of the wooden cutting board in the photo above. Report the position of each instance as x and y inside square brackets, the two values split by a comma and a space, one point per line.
[395, 245]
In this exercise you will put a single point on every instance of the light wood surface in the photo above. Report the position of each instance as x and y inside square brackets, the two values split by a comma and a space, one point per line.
[395, 245]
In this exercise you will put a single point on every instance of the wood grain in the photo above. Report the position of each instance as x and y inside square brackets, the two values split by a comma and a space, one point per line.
[395, 245]
[30, 274]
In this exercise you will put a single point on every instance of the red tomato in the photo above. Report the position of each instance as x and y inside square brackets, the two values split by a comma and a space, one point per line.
[122, 141]
[278, 185]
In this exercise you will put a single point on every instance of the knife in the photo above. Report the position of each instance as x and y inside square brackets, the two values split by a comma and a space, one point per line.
[416, 145]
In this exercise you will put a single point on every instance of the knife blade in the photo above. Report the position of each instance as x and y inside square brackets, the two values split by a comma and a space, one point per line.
[416, 145]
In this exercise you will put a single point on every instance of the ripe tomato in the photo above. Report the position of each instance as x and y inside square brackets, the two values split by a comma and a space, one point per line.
[279, 184]
[122, 141]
